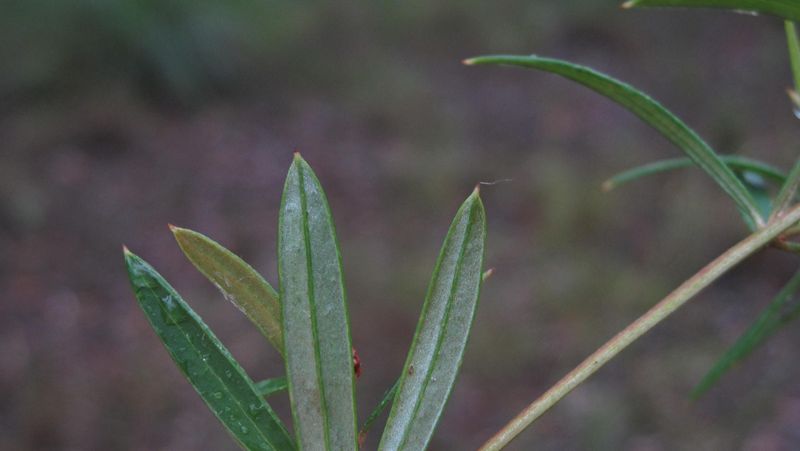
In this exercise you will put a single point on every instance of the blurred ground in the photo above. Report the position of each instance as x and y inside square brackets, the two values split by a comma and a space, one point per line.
[116, 120]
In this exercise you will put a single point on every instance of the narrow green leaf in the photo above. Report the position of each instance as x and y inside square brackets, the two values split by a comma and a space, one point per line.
[316, 332]
[767, 323]
[794, 54]
[376, 413]
[206, 363]
[788, 191]
[439, 341]
[734, 162]
[652, 113]
[239, 282]
[270, 387]
[788, 9]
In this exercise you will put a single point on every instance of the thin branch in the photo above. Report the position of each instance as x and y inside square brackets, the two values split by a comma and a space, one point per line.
[655, 315]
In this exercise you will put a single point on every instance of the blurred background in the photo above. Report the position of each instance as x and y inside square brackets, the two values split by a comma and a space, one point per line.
[117, 118]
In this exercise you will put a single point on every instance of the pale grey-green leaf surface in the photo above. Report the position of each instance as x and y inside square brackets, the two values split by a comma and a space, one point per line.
[315, 321]
[224, 386]
[439, 341]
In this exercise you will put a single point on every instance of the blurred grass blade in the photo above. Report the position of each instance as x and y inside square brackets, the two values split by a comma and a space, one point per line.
[269, 387]
[239, 282]
[377, 411]
[788, 9]
[734, 162]
[770, 320]
[652, 113]
[319, 359]
[439, 341]
[206, 363]
[793, 43]
[788, 191]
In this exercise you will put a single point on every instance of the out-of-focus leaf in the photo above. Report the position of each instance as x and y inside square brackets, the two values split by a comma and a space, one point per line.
[206, 363]
[377, 411]
[652, 113]
[441, 335]
[269, 387]
[778, 313]
[788, 191]
[319, 358]
[788, 9]
[794, 58]
[239, 282]
[733, 161]
[757, 187]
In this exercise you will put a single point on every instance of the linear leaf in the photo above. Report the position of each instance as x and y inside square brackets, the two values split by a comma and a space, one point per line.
[793, 42]
[734, 162]
[441, 335]
[269, 387]
[650, 112]
[387, 398]
[316, 333]
[206, 363]
[239, 282]
[788, 9]
[767, 323]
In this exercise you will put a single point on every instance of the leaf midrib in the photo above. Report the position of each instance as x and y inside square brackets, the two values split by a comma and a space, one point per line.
[312, 304]
[445, 322]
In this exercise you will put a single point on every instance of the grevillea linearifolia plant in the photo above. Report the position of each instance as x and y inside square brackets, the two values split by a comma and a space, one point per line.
[306, 320]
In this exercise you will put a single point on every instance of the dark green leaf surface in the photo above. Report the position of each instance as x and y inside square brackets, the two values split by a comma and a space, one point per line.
[319, 357]
[441, 335]
[269, 387]
[652, 113]
[239, 282]
[734, 162]
[217, 377]
[770, 320]
[788, 9]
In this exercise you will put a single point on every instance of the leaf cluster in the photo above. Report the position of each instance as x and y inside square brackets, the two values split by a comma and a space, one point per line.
[307, 323]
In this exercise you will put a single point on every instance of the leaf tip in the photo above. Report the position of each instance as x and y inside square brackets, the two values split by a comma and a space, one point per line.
[487, 274]
[629, 4]
[794, 96]
[608, 185]
[126, 251]
[468, 61]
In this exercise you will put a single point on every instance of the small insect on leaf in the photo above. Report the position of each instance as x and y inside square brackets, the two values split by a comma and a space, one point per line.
[356, 364]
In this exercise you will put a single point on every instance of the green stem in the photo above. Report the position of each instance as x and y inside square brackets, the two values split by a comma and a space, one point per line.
[655, 315]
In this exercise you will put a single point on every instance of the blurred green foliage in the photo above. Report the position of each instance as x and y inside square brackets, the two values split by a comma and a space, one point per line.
[185, 49]
[190, 51]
